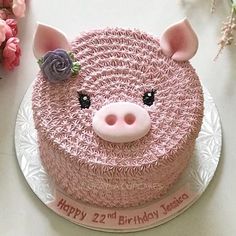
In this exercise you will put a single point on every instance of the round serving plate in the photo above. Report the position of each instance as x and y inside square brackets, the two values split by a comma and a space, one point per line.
[184, 193]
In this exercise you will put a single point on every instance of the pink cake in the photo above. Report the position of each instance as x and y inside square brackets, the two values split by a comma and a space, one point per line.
[121, 131]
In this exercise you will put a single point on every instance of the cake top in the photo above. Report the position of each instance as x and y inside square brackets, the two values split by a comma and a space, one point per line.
[134, 100]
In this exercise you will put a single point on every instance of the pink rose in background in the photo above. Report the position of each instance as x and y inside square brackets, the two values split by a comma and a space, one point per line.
[3, 30]
[11, 53]
[5, 3]
[18, 8]
[3, 14]
[8, 32]
[6, 14]
[8, 29]
[13, 25]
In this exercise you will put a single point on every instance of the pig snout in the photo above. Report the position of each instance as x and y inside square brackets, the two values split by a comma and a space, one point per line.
[121, 122]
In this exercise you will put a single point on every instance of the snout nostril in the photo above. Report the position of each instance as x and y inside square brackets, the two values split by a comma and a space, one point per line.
[129, 118]
[111, 119]
[121, 122]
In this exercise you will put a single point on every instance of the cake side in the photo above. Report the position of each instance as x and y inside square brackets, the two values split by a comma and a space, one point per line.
[118, 65]
[113, 189]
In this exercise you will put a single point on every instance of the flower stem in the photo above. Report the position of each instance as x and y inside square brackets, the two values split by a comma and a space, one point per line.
[213, 6]
[227, 32]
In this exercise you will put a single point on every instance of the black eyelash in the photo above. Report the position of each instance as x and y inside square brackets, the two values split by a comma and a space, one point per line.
[149, 97]
[84, 100]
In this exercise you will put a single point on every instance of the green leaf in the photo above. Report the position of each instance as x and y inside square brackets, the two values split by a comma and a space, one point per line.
[75, 68]
[71, 55]
[40, 61]
[75, 65]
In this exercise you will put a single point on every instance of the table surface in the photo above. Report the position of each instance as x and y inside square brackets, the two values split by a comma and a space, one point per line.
[21, 212]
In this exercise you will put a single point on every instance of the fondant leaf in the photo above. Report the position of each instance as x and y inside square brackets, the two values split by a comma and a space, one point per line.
[48, 39]
[179, 41]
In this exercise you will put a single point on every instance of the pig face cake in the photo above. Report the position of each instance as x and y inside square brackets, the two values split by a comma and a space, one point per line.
[117, 111]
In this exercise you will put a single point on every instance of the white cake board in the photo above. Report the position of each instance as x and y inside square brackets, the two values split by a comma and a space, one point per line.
[184, 193]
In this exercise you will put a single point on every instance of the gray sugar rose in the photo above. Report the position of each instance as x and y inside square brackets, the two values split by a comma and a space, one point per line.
[56, 65]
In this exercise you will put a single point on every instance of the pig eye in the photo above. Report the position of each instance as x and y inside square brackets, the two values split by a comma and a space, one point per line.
[84, 100]
[149, 97]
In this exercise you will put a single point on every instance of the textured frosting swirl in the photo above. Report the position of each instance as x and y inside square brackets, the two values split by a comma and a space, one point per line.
[119, 65]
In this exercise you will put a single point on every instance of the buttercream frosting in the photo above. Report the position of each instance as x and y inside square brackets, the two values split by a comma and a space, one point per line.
[118, 65]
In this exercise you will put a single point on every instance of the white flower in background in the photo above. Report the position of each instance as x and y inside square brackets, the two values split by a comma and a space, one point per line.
[2, 31]
[228, 28]
[18, 8]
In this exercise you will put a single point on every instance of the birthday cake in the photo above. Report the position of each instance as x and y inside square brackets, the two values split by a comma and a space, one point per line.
[117, 111]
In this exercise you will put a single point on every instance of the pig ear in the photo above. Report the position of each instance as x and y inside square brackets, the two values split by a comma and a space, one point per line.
[47, 39]
[179, 41]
